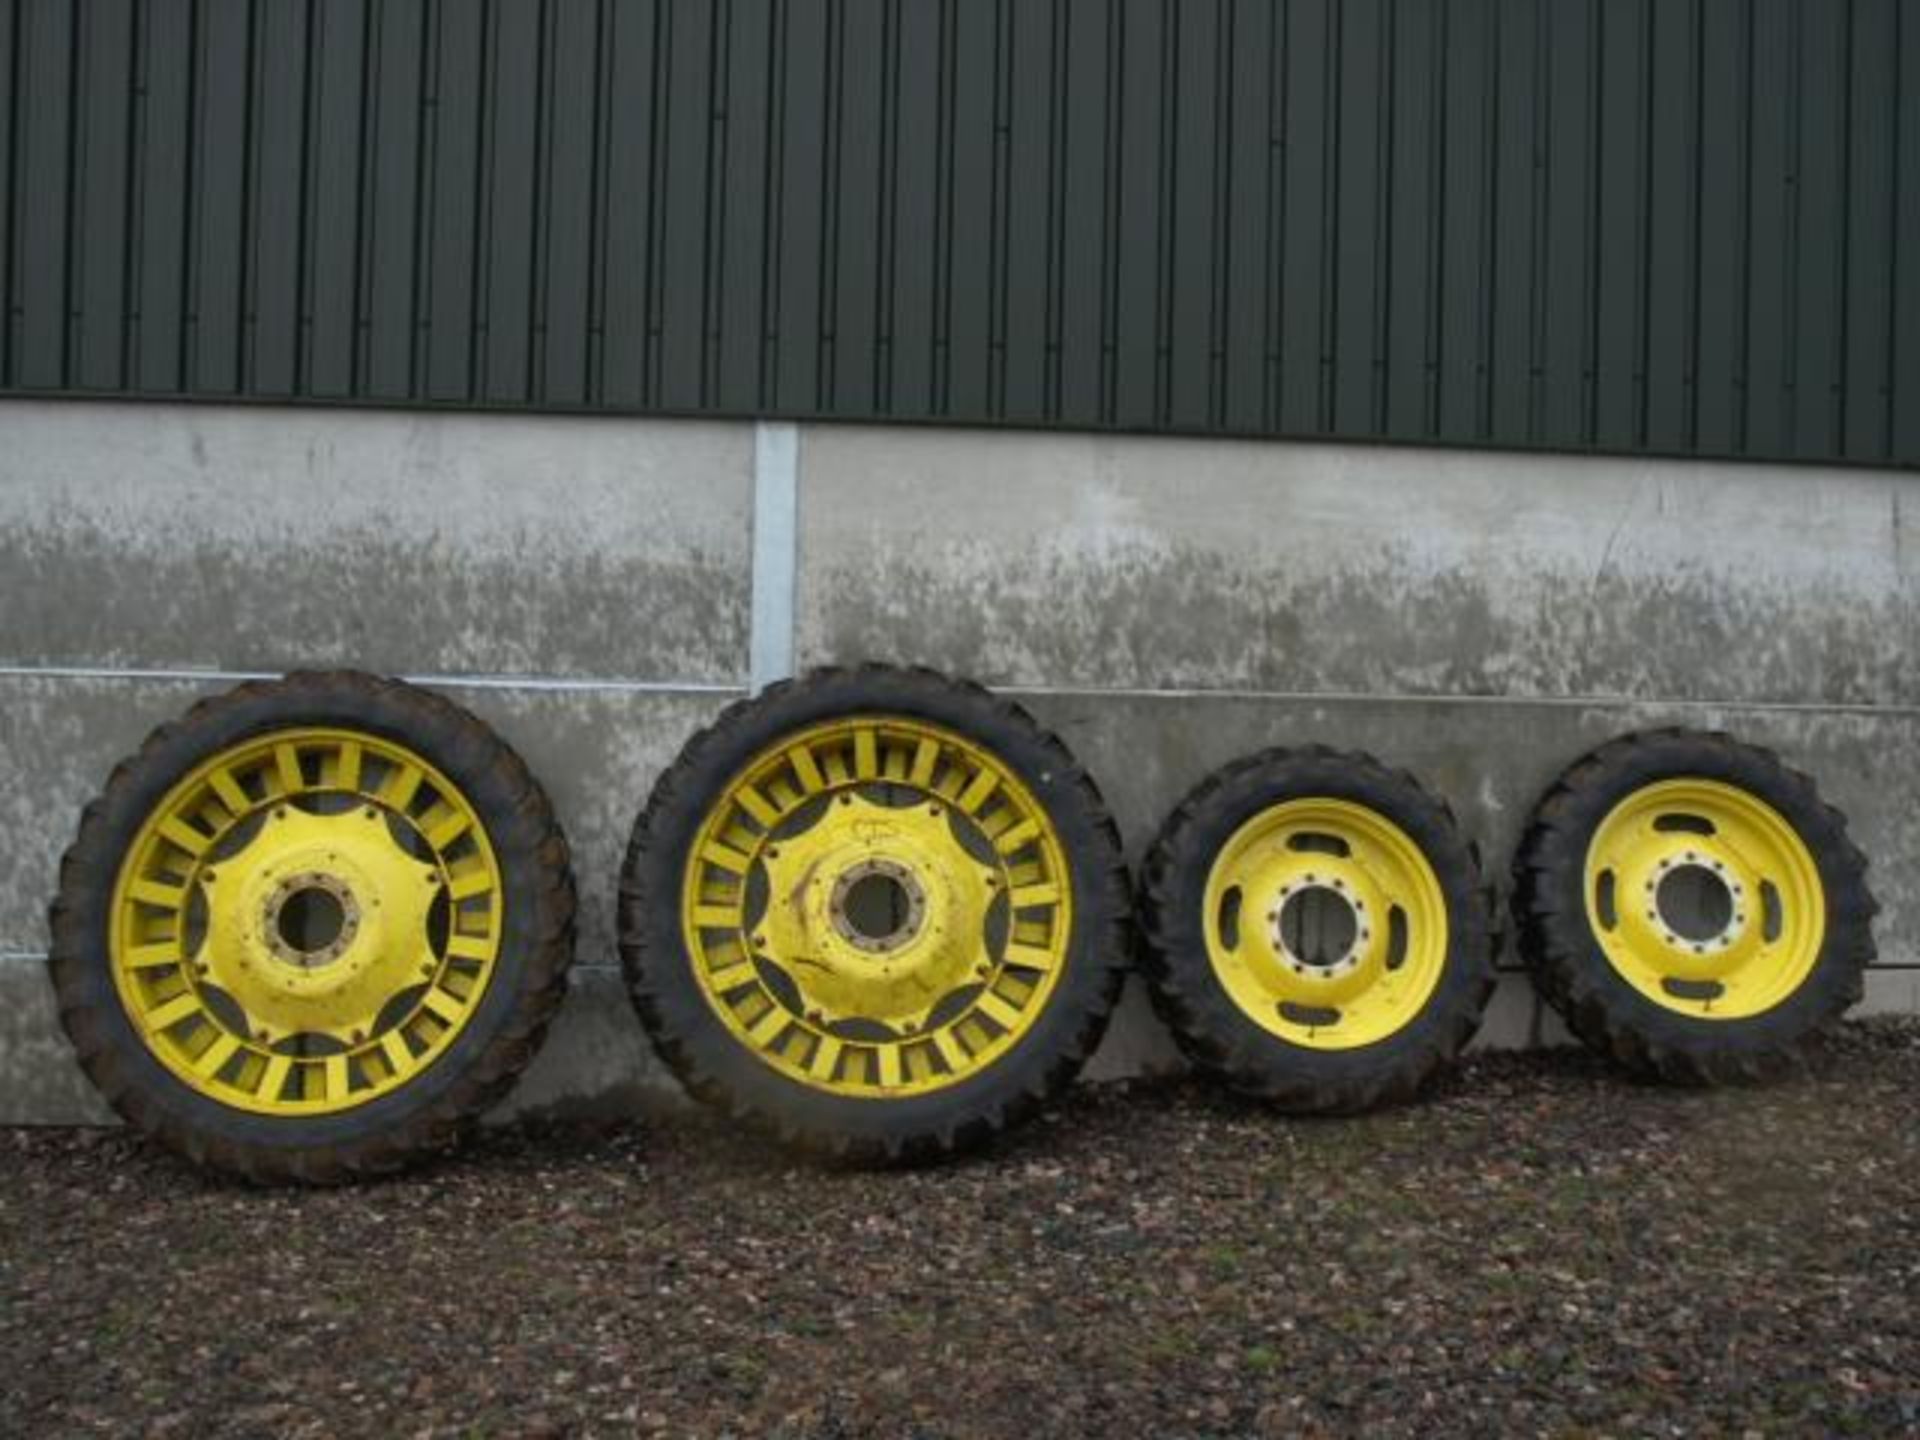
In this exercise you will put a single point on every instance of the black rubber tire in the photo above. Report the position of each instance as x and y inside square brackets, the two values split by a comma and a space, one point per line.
[429, 1113]
[717, 1069]
[1212, 1029]
[1573, 973]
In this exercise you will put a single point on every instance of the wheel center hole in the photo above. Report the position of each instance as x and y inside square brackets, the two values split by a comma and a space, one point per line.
[1318, 925]
[311, 920]
[877, 907]
[1695, 902]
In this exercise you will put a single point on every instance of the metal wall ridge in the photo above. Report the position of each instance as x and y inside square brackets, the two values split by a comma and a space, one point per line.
[1626, 226]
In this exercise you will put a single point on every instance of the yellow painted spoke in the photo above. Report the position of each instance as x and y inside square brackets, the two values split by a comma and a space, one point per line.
[772, 1021]
[473, 882]
[997, 1010]
[446, 1006]
[1015, 836]
[286, 764]
[890, 1076]
[208, 1062]
[1030, 957]
[173, 1011]
[230, 793]
[338, 1081]
[948, 1044]
[346, 773]
[469, 947]
[925, 756]
[273, 1079]
[151, 892]
[758, 806]
[402, 785]
[717, 917]
[179, 833]
[866, 758]
[718, 854]
[729, 977]
[393, 1045]
[805, 770]
[161, 952]
[979, 792]
[1032, 897]
[826, 1056]
[448, 830]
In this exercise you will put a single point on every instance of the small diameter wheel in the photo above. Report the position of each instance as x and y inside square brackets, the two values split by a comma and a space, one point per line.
[314, 927]
[877, 910]
[1691, 906]
[1317, 931]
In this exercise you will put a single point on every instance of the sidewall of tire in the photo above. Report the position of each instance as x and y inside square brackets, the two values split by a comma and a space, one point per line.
[136, 1081]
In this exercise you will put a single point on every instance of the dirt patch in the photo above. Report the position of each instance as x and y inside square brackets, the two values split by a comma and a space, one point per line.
[1541, 1247]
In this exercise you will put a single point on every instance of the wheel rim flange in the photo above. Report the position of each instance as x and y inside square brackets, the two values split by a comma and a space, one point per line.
[246, 1017]
[1776, 921]
[986, 913]
[1389, 970]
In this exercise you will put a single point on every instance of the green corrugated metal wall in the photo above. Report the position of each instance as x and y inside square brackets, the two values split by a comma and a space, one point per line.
[1685, 226]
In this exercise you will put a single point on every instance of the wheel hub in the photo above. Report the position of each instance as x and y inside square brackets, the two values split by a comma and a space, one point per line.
[299, 906]
[1293, 913]
[1703, 898]
[878, 905]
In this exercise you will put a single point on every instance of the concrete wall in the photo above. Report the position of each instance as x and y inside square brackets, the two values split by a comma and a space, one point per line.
[587, 585]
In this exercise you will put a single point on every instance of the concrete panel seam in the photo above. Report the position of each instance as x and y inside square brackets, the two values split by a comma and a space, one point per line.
[776, 506]
[1384, 697]
[537, 683]
[22, 957]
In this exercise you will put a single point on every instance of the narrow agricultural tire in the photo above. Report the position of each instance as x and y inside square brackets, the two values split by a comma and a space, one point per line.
[218, 1015]
[1726, 1001]
[1395, 1001]
[980, 994]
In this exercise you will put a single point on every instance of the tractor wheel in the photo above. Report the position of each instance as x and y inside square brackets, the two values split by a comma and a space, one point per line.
[877, 911]
[312, 929]
[1691, 906]
[1317, 931]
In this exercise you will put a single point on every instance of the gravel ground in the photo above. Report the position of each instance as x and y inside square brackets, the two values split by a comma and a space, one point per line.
[1540, 1248]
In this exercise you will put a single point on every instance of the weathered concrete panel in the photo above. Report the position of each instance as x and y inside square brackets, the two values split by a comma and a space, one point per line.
[40, 1083]
[174, 536]
[596, 752]
[1065, 561]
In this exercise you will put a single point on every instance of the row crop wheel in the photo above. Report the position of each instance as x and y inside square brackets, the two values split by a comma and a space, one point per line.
[1317, 931]
[877, 911]
[1691, 906]
[312, 929]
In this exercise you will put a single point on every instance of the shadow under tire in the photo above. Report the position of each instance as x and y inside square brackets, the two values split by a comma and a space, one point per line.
[1691, 906]
[877, 912]
[1317, 932]
[313, 928]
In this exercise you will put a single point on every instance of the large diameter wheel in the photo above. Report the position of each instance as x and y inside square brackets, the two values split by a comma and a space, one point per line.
[1317, 932]
[313, 928]
[1691, 907]
[877, 910]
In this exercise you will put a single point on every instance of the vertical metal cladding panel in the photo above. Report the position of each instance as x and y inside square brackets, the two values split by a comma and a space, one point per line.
[1669, 226]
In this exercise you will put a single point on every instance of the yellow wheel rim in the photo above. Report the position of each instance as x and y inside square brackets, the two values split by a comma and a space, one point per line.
[1325, 923]
[1705, 899]
[876, 907]
[306, 922]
